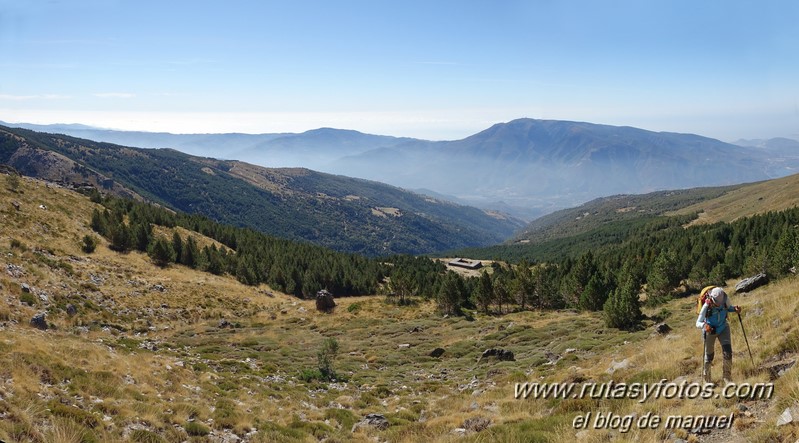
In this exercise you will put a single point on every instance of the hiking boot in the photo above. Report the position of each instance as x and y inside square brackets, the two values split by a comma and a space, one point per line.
[706, 375]
[726, 367]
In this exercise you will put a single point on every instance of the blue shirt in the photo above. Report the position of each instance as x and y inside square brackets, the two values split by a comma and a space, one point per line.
[715, 316]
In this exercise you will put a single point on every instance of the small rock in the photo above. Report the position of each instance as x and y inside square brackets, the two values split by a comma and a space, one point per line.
[159, 288]
[476, 424]
[699, 430]
[552, 357]
[224, 324]
[615, 366]
[662, 328]
[785, 418]
[39, 321]
[404, 345]
[26, 288]
[437, 352]
[71, 310]
[415, 330]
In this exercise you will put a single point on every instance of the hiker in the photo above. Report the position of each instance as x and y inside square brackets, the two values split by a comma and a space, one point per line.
[713, 320]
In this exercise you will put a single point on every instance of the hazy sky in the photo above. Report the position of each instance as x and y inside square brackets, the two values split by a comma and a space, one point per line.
[430, 69]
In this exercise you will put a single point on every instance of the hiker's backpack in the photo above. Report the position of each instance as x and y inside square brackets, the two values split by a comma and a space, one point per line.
[702, 299]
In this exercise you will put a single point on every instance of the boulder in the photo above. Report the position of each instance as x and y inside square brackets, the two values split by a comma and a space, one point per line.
[324, 301]
[499, 354]
[39, 321]
[751, 283]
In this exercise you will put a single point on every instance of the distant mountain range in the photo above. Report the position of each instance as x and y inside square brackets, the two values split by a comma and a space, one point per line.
[346, 214]
[525, 167]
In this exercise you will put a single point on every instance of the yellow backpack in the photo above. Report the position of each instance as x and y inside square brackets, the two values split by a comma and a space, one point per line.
[703, 295]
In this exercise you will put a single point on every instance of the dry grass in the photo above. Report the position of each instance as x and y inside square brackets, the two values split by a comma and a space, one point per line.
[138, 363]
[757, 198]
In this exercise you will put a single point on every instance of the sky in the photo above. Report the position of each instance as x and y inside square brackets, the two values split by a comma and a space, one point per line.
[433, 69]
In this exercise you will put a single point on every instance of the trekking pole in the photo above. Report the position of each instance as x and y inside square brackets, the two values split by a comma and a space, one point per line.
[746, 339]
[703, 354]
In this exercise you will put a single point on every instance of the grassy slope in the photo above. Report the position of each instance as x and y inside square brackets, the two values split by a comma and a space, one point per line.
[108, 383]
[615, 209]
[756, 198]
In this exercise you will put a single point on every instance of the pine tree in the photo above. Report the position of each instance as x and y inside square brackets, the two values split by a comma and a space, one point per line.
[161, 252]
[190, 253]
[177, 246]
[664, 276]
[501, 294]
[484, 292]
[99, 224]
[142, 235]
[213, 260]
[595, 294]
[451, 294]
[120, 238]
[622, 309]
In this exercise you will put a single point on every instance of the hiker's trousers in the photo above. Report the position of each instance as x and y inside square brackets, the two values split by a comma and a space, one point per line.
[726, 350]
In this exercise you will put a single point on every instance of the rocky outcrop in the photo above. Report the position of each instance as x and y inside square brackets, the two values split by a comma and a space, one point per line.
[751, 283]
[499, 354]
[377, 421]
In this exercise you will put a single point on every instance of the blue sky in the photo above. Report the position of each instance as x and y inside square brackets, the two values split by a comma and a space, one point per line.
[429, 69]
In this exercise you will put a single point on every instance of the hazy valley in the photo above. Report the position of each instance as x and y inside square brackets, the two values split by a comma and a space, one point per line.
[525, 167]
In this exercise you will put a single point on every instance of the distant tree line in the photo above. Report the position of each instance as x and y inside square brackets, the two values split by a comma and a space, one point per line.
[656, 258]
[296, 268]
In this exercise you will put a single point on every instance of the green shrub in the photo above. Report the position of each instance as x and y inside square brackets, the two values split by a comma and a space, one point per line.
[27, 298]
[196, 429]
[74, 414]
[145, 436]
[225, 415]
[89, 243]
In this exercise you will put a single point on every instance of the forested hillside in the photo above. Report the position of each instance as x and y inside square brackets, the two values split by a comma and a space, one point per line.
[346, 214]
